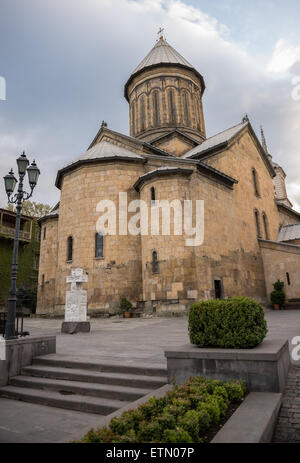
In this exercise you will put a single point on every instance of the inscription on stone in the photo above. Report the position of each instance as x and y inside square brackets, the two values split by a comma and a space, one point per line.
[76, 299]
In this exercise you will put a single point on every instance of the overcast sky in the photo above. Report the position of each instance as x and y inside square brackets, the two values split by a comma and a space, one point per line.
[65, 63]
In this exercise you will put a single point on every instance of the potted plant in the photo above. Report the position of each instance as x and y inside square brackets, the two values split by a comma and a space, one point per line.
[126, 307]
[278, 295]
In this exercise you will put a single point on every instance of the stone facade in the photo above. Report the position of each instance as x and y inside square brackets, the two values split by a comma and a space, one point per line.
[282, 262]
[160, 272]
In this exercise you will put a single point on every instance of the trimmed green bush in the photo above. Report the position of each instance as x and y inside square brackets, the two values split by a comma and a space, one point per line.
[184, 415]
[237, 323]
[125, 305]
[278, 295]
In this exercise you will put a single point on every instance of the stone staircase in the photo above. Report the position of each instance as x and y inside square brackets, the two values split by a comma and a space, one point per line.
[100, 388]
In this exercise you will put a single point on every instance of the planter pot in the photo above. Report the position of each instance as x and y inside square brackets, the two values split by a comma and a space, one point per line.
[276, 307]
[127, 314]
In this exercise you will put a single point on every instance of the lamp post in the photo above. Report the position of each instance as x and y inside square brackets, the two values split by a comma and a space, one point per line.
[18, 198]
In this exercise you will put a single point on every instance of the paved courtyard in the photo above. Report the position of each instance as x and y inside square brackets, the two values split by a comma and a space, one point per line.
[130, 341]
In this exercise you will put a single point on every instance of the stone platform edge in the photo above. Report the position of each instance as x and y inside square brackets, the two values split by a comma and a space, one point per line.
[20, 352]
[263, 368]
[253, 422]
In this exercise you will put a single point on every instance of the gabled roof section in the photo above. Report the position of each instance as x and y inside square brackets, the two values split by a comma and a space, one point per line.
[162, 54]
[220, 142]
[214, 142]
[289, 232]
[131, 143]
[161, 171]
[102, 151]
[288, 209]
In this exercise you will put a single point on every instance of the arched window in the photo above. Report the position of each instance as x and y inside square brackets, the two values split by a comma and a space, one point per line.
[186, 109]
[156, 108]
[256, 214]
[152, 193]
[197, 112]
[154, 262]
[98, 245]
[133, 116]
[142, 113]
[266, 226]
[70, 248]
[172, 106]
[255, 182]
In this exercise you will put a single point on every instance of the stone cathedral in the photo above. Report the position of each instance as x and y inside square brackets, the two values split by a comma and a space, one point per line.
[251, 231]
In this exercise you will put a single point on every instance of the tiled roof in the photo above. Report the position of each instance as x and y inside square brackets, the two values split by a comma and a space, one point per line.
[289, 232]
[215, 141]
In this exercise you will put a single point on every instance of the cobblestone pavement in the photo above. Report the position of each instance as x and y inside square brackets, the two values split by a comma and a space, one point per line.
[288, 425]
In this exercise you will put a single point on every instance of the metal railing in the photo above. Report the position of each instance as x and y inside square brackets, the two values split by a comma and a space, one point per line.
[19, 324]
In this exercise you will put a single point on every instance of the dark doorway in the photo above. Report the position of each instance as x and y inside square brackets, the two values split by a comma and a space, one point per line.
[218, 289]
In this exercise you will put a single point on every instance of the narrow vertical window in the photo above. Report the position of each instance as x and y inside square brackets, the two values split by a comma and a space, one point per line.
[142, 113]
[266, 227]
[197, 112]
[99, 245]
[43, 281]
[156, 108]
[133, 117]
[186, 109]
[44, 236]
[172, 106]
[152, 193]
[256, 214]
[288, 279]
[255, 182]
[154, 262]
[70, 248]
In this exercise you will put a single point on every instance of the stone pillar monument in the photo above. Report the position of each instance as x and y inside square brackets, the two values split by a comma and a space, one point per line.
[76, 304]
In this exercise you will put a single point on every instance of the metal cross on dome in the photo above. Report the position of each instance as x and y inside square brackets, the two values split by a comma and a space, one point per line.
[160, 33]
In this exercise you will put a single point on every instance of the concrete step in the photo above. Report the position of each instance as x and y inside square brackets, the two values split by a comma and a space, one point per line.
[101, 406]
[74, 374]
[113, 367]
[121, 393]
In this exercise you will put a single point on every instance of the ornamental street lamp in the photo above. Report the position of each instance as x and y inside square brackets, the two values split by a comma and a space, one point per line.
[10, 183]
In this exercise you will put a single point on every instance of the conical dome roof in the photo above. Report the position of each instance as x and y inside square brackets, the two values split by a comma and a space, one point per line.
[162, 54]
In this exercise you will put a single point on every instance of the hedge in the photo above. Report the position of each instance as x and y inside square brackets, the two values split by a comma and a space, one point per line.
[236, 323]
[184, 415]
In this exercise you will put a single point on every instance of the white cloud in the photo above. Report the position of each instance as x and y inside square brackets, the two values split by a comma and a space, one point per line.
[285, 55]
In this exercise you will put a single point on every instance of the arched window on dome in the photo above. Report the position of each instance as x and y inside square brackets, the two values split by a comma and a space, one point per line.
[266, 226]
[197, 112]
[99, 245]
[156, 108]
[172, 106]
[133, 115]
[70, 248]
[143, 114]
[257, 223]
[186, 108]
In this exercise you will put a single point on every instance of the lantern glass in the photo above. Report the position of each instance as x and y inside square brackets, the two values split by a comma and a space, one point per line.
[23, 163]
[10, 182]
[33, 174]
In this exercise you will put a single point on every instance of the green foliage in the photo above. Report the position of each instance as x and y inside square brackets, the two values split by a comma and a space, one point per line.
[236, 323]
[32, 209]
[278, 285]
[183, 415]
[125, 305]
[278, 295]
